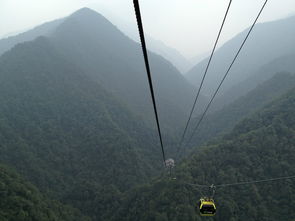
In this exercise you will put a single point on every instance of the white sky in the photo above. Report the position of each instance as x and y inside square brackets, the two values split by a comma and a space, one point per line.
[190, 26]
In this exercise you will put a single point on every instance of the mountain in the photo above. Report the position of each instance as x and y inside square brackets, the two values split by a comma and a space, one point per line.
[198, 58]
[21, 201]
[281, 64]
[260, 147]
[222, 121]
[169, 53]
[115, 61]
[154, 45]
[268, 41]
[76, 116]
[41, 30]
[63, 132]
[76, 122]
[103, 52]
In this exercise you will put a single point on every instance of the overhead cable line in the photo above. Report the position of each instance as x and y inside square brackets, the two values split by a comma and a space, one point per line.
[204, 76]
[228, 70]
[146, 60]
[255, 181]
[242, 183]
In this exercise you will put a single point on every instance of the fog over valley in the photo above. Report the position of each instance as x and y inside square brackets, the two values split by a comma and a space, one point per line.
[147, 110]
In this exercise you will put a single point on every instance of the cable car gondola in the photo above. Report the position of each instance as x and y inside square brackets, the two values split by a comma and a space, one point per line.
[207, 207]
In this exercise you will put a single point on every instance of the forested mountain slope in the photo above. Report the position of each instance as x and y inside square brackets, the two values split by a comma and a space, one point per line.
[76, 119]
[103, 52]
[62, 131]
[169, 53]
[282, 64]
[222, 121]
[268, 41]
[41, 30]
[260, 147]
[155, 45]
[21, 201]
[111, 58]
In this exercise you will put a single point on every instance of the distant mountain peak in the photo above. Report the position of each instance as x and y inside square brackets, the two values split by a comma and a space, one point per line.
[86, 13]
[85, 20]
[85, 10]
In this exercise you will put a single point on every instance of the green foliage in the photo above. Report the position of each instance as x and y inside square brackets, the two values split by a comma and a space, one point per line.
[260, 147]
[63, 129]
[63, 132]
[21, 201]
[221, 122]
[106, 55]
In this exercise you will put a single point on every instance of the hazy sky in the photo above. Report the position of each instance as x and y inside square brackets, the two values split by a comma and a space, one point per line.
[190, 26]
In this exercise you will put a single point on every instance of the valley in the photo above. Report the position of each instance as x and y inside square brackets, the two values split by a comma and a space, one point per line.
[79, 139]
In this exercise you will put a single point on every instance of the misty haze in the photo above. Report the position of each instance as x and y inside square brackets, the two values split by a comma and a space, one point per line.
[147, 110]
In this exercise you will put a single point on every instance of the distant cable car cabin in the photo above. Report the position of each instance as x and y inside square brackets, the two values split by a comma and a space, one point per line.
[207, 207]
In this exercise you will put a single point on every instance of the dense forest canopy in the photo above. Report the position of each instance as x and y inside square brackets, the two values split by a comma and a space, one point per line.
[222, 121]
[63, 131]
[22, 201]
[260, 147]
[79, 140]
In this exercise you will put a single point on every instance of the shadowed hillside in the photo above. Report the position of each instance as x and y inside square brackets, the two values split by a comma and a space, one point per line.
[268, 41]
[115, 61]
[260, 147]
[282, 64]
[61, 130]
[102, 51]
[21, 201]
[222, 121]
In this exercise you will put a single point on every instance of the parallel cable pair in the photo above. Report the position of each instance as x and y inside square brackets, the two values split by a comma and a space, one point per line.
[144, 49]
[204, 76]
[228, 70]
